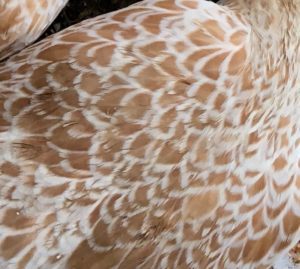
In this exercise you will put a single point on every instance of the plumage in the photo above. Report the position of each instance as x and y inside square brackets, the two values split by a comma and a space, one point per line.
[164, 135]
[23, 21]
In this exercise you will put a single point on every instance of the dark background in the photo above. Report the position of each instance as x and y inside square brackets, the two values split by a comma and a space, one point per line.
[78, 10]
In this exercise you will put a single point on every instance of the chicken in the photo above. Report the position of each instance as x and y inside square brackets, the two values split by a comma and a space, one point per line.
[163, 135]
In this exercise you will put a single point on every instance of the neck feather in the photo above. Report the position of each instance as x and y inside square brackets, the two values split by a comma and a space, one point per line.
[275, 28]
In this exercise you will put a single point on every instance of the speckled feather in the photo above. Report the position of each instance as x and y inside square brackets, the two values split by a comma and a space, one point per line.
[23, 21]
[150, 137]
